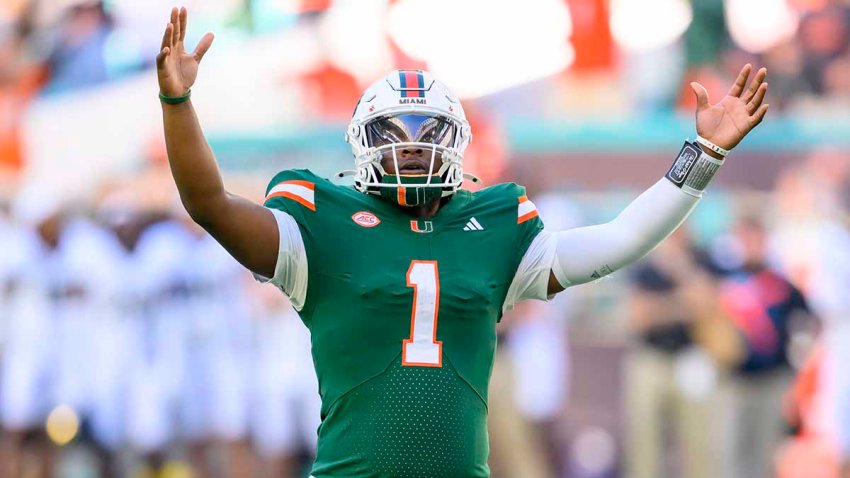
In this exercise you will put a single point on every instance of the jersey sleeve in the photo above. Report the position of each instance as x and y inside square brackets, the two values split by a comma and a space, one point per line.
[536, 250]
[290, 196]
[532, 276]
[290, 272]
[294, 192]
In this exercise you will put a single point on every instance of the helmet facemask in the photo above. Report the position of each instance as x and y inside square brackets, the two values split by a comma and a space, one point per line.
[422, 149]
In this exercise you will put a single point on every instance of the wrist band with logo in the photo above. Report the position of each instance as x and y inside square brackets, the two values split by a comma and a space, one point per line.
[693, 169]
[708, 144]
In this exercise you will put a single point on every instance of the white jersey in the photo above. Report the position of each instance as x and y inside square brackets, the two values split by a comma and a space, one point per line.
[17, 252]
[217, 343]
[119, 304]
[80, 299]
[159, 295]
[28, 355]
[287, 409]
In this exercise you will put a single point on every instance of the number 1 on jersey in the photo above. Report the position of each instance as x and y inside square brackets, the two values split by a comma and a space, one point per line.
[422, 348]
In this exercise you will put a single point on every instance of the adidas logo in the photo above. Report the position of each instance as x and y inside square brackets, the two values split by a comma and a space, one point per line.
[473, 225]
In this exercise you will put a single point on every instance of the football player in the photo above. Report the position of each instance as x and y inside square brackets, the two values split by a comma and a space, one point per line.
[402, 278]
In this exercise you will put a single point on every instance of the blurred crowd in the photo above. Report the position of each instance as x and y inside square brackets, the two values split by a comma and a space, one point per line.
[804, 45]
[134, 335]
[737, 339]
[131, 344]
[68, 46]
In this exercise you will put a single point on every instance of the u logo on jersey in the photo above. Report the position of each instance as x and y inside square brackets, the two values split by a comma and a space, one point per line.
[427, 226]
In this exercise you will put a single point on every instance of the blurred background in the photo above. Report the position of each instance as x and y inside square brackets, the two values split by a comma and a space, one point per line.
[132, 345]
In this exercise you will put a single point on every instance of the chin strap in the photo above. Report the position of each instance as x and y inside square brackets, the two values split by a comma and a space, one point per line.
[472, 178]
[344, 173]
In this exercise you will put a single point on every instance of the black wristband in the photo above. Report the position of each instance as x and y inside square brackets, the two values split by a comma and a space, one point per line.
[693, 169]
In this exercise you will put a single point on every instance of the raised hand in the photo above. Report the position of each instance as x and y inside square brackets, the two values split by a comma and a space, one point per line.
[176, 69]
[727, 122]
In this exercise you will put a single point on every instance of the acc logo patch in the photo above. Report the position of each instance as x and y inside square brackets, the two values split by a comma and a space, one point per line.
[365, 219]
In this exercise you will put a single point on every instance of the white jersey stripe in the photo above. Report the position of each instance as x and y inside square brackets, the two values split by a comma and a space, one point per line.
[300, 191]
[526, 210]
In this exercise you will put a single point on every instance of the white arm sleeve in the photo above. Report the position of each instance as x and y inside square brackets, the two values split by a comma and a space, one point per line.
[290, 272]
[588, 253]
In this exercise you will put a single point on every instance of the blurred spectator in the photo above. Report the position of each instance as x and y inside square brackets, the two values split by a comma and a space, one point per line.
[707, 35]
[537, 343]
[812, 239]
[809, 453]
[516, 448]
[29, 363]
[21, 75]
[77, 60]
[823, 36]
[214, 387]
[672, 369]
[785, 63]
[767, 311]
[285, 403]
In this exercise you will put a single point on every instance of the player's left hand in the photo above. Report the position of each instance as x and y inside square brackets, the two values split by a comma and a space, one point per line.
[727, 122]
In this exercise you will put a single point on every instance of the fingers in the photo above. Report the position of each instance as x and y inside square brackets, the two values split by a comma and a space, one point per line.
[184, 18]
[175, 20]
[741, 81]
[701, 94]
[755, 102]
[160, 58]
[166, 37]
[203, 46]
[755, 85]
[756, 118]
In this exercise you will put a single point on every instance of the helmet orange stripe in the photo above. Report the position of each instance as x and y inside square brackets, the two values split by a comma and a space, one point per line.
[412, 80]
[420, 83]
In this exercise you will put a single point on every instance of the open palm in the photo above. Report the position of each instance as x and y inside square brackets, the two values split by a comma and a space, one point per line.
[727, 122]
[177, 69]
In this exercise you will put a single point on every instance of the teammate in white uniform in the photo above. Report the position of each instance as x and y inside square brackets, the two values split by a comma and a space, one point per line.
[81, 297]
[158, 325]
[113, 336]
[214, 395]
[27, 380]
[286, 407]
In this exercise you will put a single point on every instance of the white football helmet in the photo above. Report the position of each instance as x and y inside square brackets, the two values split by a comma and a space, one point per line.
[408, 109]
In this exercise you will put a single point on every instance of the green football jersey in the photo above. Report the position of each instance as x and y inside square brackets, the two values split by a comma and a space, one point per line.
[402, 314]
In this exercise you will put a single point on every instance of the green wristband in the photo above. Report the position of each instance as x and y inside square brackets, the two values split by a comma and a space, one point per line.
[175, 100]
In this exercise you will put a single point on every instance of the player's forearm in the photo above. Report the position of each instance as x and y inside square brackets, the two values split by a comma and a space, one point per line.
[588, 253]
[192, 162]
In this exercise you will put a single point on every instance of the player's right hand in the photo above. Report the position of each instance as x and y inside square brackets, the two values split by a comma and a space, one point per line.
[176, 69]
